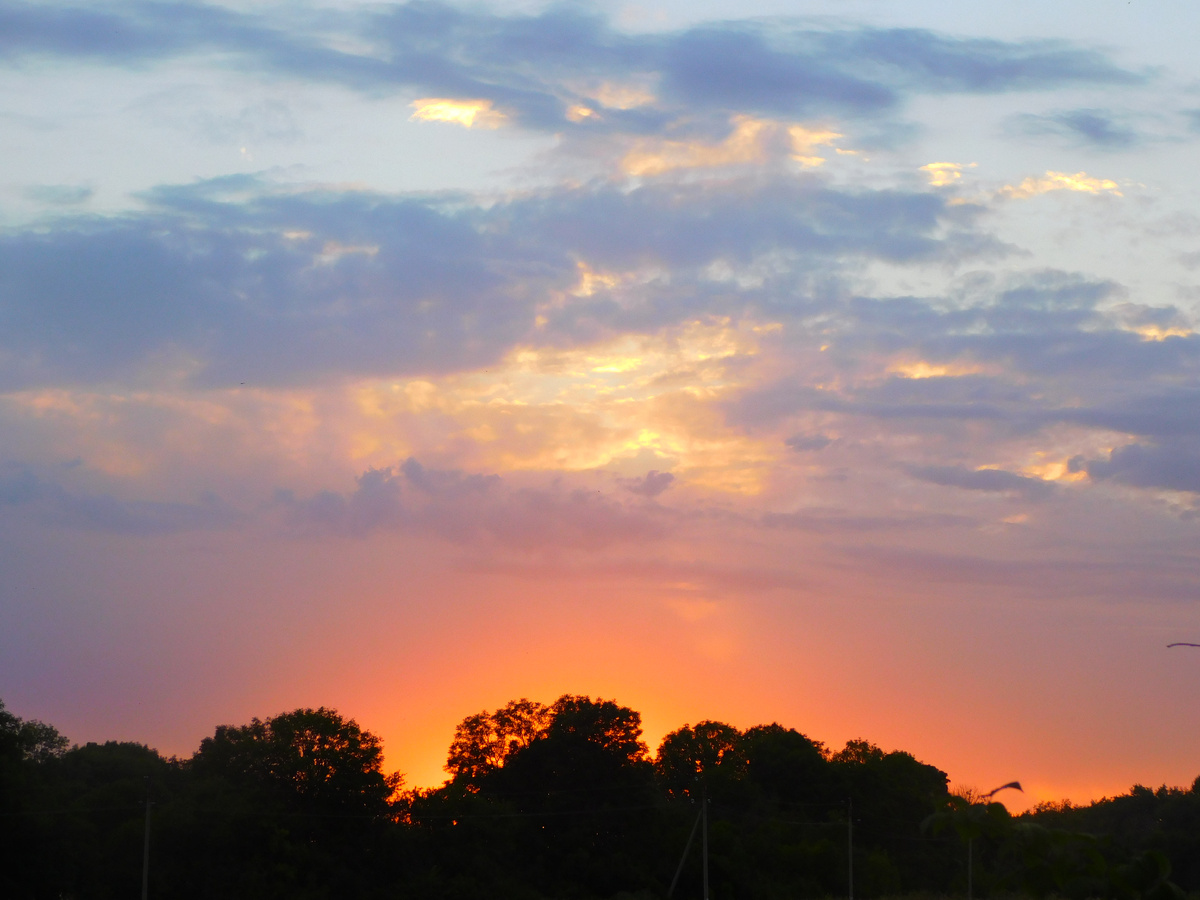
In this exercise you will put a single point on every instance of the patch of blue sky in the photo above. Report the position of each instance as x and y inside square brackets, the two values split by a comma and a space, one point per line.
[119, 132]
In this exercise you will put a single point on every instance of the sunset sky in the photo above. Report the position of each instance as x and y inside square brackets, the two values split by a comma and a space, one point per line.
[828, 362]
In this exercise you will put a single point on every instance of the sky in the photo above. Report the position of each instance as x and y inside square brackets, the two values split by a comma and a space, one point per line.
[830, 363]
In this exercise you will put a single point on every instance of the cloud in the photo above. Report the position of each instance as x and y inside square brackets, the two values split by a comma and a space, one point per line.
[51, 503]
[255, 293]
[122, 33]
[239, 282]
[1172, 465]
[650, 485]
[1060, 181]
[1169, 412]
[1154, 323]
[739, 67]
[1086, 127]
[992, 353]
[467, 113]
[751, 141]
[1038, 369]
[656, 156]
[937, 63]
[991, 480]
[808, 442]
[941, 174]
[469, 508]
[526, 64]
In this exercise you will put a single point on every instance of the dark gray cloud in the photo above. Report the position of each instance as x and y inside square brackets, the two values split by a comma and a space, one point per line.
[1172, 464]
[121, 33]
[649, 485]
[1052, 350]
[400, 284]
[1047, 349]
[1168, 412]
[1165, 413]
[50, 502]
[736, 67]
[937, 63]
[264, 288]
[468, 508]
[527, 64]
[808, 442]
[992, 480]
[1093, 127]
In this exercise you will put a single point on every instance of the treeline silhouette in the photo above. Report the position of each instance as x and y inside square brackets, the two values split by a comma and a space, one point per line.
[558, 801]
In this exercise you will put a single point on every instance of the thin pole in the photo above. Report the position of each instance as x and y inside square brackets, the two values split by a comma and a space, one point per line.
[970, 865]
[850, 840]
[704, 814]
[146, 847]
[683, 858]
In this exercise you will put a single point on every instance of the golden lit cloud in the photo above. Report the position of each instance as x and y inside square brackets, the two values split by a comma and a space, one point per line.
[332, 251]
[468, 113]
[805, 139]
[1056, 470]
[1060, 181]
[578, 113]
[1161, 333]
[941, 174]
[590, 280]
[1152, 323]
[634, 397]
[654, 157]
[923, 369]
[621, 96]
[750, 143]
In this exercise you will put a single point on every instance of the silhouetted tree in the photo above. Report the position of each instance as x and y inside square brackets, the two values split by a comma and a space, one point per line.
[292, 806]
[784, 766]
[25, 748]
[708, 752]
[311, 756]
[1131, 829]
[893, 794]
[560, 798]
[98, 792]
[485, 741]
[28, 740]
[548, 801]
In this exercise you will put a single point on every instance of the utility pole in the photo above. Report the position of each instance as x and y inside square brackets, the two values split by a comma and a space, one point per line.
[849, 841]
[704, 814]
[970, 867]
[146, 846]
[683, 859]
